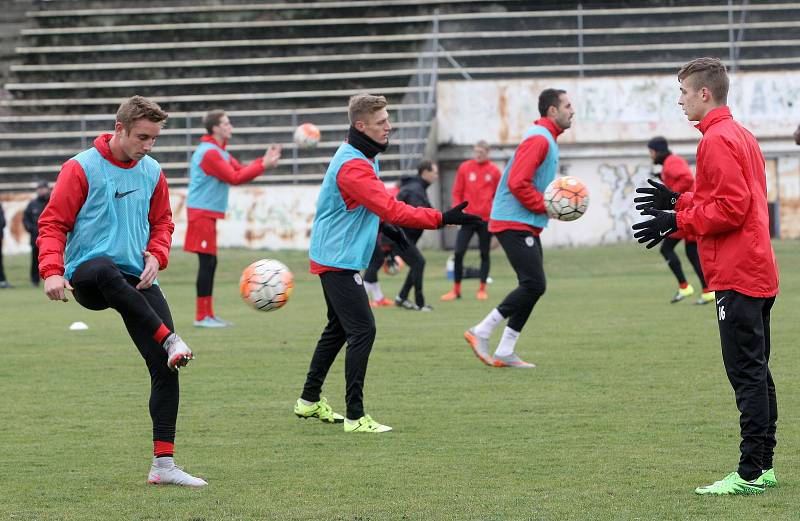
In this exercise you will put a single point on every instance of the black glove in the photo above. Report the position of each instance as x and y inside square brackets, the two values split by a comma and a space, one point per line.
[455, 215]
[656, 229]
[657, 198]
[396, 234]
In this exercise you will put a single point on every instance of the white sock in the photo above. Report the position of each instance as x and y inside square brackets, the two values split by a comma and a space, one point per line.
[507, 343]
[374, 288]
[306, 402]
[163, 462]
[487, 325]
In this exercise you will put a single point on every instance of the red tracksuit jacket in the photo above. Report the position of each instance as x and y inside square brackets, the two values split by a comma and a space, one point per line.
[677, 176]
[728, 209]
[476, 183]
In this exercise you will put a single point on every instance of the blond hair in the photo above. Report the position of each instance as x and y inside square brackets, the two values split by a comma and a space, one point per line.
[139, 107]
[362, 105]
[709, 73]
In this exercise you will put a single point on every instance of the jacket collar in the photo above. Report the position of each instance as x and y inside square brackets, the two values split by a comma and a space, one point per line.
[102, 146]
[208, 138]
[549, 125]
[714, 116]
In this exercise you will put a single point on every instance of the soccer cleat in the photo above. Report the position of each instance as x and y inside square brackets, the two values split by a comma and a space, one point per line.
[482, 295]
[210, 323]
[171, 474]
[365, 424]
[319, 409]
[705, 298]
[683, 293]
[425, 308]
[405, 304]
[511, 360]
[730, 485]
[450, 295]
[768, 479]
[479, 345]
[380, 303]
[178, 353]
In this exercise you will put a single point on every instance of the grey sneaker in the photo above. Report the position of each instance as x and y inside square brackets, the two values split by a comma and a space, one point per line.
[210, 322]
[512, 360]
[178, 353]
[479, 345]
[168, 473]
[405, 304]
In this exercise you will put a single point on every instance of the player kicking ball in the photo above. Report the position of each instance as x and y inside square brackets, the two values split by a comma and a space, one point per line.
[104, 235]
[727, 211]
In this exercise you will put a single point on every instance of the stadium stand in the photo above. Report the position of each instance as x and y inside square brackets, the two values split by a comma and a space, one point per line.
[274, 65]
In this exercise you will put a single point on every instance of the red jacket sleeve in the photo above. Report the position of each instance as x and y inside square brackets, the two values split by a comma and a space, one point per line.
[360, 186]
[231, 172]
[527, 158]
[677, 175]
[458, 186]
[729, 199]
[58, 217]
[161, 225]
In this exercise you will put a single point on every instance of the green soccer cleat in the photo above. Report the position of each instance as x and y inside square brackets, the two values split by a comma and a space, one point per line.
[768, 478]
[705, 298]
[682, 293]
[319, 409]
[365, 424]
[732, 484]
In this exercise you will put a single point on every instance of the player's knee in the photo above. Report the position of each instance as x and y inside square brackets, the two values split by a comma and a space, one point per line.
[535, 288]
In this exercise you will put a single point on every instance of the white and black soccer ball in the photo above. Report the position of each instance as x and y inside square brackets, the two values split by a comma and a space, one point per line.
[266, 284]
[566, 198]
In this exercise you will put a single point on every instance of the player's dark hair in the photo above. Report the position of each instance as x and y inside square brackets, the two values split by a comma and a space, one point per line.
[424, 166]
[139, 107]
[212, 119]
[549, 98]
[709, 73]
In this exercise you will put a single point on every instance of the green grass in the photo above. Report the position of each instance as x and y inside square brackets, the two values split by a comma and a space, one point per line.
[628, 410]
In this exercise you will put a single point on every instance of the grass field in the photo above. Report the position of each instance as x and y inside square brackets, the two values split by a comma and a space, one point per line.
[628, 410]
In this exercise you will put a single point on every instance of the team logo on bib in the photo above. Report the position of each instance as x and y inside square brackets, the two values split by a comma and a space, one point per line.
[472, 176]
[487, 177]
[357, 278]
[529, 241]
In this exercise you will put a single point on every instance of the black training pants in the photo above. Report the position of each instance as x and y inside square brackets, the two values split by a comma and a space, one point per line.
[524, 252]
[668, 252]
[34, 264]
[350, 320]
[100, 285]
[744, 334]
[207, 266]
[462, 243]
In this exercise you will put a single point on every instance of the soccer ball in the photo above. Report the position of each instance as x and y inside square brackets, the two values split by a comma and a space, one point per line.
[566, 198]
[306, 135]
[266, 284]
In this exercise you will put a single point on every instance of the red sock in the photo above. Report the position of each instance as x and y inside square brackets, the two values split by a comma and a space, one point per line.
[482, 287]
[203, 308]
[683, 285]
[161, 333]
[163, 448]
[457, 288]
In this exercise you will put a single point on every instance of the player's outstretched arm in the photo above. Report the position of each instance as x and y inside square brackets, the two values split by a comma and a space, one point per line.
[456, 215]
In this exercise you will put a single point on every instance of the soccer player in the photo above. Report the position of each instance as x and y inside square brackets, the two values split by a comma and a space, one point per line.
[677, 177]
[728, 213]
[413, 191]
[30, 220]
[212, 171]
[104, 235]
[476, 181]
[518, 217]
[352, 202]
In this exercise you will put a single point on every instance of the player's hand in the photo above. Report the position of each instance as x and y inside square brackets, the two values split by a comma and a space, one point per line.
[148, 275]
[54, 287]
[659, 197]
[656, 229]
[271, 156]
[396, 234]
[456, 215]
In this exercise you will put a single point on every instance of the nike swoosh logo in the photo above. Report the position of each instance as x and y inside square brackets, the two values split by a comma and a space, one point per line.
[720, 300]
[120, 195]
[665, 232]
